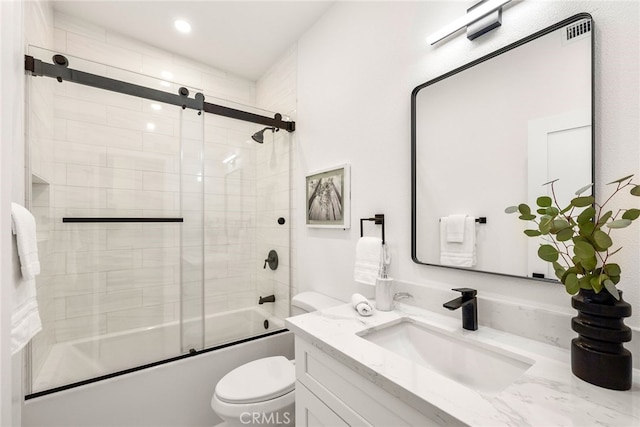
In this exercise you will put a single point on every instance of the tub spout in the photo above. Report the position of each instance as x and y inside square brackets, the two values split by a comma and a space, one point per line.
[269, 298]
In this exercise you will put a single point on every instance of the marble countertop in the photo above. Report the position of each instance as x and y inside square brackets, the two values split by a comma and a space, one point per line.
[547, 394]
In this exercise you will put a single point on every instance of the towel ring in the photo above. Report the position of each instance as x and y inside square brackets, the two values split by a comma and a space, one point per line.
[377, 219]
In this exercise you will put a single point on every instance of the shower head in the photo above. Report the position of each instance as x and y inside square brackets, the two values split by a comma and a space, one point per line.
[259, 136]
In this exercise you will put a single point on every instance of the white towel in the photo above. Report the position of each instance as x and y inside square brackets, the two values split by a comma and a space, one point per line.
[362, 305]
[454, 226]
[461, 254]
[25, 319]
[23, 225]
[367, 265]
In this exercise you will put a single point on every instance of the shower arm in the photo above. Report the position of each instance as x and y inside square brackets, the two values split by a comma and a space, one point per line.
[61, 72]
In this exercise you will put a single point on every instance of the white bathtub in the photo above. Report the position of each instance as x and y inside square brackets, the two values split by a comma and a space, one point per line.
[73, 361]
[176, 394]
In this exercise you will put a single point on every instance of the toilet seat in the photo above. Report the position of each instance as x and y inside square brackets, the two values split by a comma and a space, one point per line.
[257, 381]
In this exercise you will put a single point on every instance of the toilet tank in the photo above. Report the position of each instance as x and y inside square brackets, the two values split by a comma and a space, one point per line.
[306, 302]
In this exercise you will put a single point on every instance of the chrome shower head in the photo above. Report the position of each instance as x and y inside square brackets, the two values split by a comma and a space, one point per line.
[259, 136]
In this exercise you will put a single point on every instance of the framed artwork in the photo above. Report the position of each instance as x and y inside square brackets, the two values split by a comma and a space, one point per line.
[328, 198]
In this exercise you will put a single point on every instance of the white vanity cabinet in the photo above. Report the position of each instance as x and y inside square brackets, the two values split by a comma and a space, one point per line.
[328, 393]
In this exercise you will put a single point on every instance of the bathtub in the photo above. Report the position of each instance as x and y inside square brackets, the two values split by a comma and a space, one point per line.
[176, 394]
[84, 359]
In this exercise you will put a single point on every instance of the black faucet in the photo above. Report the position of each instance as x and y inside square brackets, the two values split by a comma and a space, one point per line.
[469, 304]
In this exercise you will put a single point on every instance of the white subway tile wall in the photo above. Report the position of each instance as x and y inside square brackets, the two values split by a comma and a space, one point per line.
[106, 154]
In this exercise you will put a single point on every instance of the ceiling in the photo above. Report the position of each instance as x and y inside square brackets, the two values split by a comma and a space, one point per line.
[241, 37]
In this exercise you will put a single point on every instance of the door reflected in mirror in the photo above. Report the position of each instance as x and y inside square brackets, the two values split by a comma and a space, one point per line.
[488, 135]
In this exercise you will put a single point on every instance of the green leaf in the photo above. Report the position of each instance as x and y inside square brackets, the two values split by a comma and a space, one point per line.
[584, 283]
[524, 209]
[511, 209]
[631, 214]
[545, 224]
[559, 224]
[619, 223]
[571, 283]
[589, 264]
[595, 283]
[584, 250]
[559, 270]
[542, 211]
[548, 253]
[587, 215]
[635, 190]
[567, 209]
[583, 189]
[620, 180]
[544, 201]
[552, 211]
[525, 212]
[612, 269]
[565, 235]
[581, 202]
[532, 233]
[602, 239]
[587, 229]
[611, 288]
[604, 218]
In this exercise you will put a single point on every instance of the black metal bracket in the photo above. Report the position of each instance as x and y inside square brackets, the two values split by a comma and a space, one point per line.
[377, 219]
[62, 72]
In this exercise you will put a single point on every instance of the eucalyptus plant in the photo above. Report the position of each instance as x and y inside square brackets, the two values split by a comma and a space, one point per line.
[577, 238]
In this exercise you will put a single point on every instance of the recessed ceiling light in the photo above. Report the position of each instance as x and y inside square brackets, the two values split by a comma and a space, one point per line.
[156, 107]
[183, 26]
[151, 126]
[167, 75]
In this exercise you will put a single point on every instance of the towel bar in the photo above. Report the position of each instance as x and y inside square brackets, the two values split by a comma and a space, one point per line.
[119, 219]
[377, 219]
[481, 220]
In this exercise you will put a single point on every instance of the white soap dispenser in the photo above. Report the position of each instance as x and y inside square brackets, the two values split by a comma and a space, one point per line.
[384, 293]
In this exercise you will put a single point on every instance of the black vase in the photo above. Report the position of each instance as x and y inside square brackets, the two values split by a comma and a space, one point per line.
[597, 355]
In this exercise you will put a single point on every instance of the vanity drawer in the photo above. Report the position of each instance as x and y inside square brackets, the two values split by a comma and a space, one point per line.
[353, 398]
[312, 412]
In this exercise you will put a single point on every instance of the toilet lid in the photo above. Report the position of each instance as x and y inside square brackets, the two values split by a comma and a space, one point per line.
[257, 381]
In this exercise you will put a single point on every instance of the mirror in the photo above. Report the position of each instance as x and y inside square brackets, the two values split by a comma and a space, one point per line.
[487, 135]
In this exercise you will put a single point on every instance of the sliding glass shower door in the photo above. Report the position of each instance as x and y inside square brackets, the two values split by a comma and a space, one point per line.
[117, 189]
[154, 222]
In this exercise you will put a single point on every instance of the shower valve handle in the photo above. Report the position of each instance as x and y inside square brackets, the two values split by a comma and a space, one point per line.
[272, 260]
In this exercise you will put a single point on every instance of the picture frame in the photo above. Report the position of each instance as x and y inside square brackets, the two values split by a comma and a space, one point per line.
[328, 198]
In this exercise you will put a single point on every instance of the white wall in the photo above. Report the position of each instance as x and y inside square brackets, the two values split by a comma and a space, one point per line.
[11, 167]
[356, 69]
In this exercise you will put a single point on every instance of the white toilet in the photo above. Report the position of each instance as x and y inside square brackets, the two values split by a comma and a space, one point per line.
[261, 392]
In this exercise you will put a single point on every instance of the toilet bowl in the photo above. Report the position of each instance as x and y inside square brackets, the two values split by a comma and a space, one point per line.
[261, 392]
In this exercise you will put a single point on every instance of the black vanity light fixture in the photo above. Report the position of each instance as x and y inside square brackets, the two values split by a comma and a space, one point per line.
[480, 19]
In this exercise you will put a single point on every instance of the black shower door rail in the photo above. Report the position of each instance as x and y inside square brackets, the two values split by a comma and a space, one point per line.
[60, 71]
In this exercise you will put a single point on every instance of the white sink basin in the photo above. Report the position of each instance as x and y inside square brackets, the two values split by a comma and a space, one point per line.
[483, 368]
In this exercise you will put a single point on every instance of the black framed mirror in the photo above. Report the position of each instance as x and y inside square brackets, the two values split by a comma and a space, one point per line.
[487, 135]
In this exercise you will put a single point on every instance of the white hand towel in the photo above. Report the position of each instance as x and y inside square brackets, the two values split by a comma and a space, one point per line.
[454, 226]
[24, 227]
[25, 319]
[362, 305]
[459, 254]
[367, 265]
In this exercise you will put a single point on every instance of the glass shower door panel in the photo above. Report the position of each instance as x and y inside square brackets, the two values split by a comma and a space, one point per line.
[241, 212]
[113, 301]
